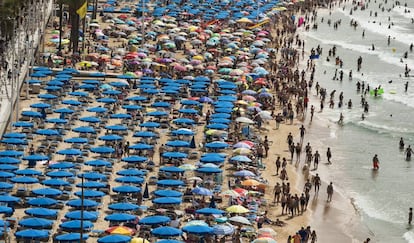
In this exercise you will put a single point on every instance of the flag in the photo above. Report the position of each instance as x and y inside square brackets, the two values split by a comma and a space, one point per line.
[82, 10]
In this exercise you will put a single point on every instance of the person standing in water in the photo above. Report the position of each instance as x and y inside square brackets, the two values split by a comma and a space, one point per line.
[329, 155]
[406, 87]
[330, 192]
[375, 162]
[410, 216]
[402, 143]
[408, 153]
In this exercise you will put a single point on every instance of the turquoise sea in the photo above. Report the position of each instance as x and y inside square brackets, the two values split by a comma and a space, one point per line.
[381, 199]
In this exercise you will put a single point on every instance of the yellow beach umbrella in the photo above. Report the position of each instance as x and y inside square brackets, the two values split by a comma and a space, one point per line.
[242, 151]
[244, 20]
[237, 209]
[198, 57]
[139, 240]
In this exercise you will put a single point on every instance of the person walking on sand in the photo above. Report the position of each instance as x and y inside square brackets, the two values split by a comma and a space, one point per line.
[278, 164]
[329, 155]
[375, 162]
[302, 133]
[330, 191]
[316, 158]
[316, 183]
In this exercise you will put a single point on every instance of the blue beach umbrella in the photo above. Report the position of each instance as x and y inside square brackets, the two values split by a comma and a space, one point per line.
[170, 183]
[208, 170]
[28, 172]
[110, 137]
[210, 211]
[8, 167]
[91, 119]
[91, 184]
[55, 182]
[167, 193]
[154, 220]
[47, 96]
[178, 143]
[175, 155]
[198, 229]
[172, 169]
[9, 160]
[132, 107]
[77, 215]
[41, 212]
[130, 179]
[77, 203]
[78, 140]
[167, 200]
[134, 159]
[47, 192]
[120, 217]
[48, 132]
[102, 150]
[121, 116]
[24, 180]
[4, 174]
[35, 223]
[169, 241]
[64, 111]
[145, 134]
[32, 234]
[161, 104]
[90, 194]
[183, 131]
[84, 129]
[123, 207]
[115, 239]
[42, 202]
[97, 109]
[71, 102]
[23, 124]
[107, 100]
[71, 237]
[130, 172]
[126, 189]
[62, 165]
[117, 127]
[166, 231]
[184, 121]
[57, 121]
[150, 124]
[212, 159]
[40, 105]
[14, 141]
[78, 94]
[217, 145]
[75, 225]
[202, 191]
[98, 163]
[32, 114]
[218, 126]
[70, 152]
[93, 176]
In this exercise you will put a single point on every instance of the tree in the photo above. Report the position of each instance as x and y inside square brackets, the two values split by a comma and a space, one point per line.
[74, 20]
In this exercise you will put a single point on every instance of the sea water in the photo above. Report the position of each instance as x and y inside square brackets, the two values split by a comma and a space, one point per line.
[382, 198]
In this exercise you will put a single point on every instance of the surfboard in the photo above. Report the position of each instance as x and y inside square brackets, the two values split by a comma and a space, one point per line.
[393, 91]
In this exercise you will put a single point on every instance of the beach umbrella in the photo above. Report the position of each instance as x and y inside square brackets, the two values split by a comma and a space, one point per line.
[136, 98]
[14, 135]
[77, 203]
[24, 180]
[115, 239]
[32, 114]
[117, 127]
[6, 210]
[23, 124]
[146, 192]
[8, 167]
[91, 119]
[169, 241]
[240, 220]
[216, 145]
[84, 129]
[64, 111]
[110, 137]
[130, 179]
[174, 155]
[170, 183]
[154, 220]
[90, 193]
[41, 212]
[5, 186]
[244, 120]
[188, 111]
[27, 172]
[150, 124]
[167, 200]
[121, 116]
[132, 107]
[126, 189]
[14, 141]
[184, 121]
[123, 207]
[218, 126]
[166, 231]
[35, 223]
[120, 217]
[201, 191]
[134, 159]
[183, 131]
[102, 150]
[47, 96]
[220, 115]
[9, 160]
[145, 134]
[42, 202]
[212, 159]
[210, 211]
[141, 146]
[242, 151]
[178, 143]
[32, 234]
[120, 230]
[47, 192]
[97, 109]
[167, 193]
[70, 152]
[172, 169]
[157, 113]
[130, 172]
[250, 182]
[35, 157]
[161, 104]
[10, 153]
[267, 231]
[55, 182]
[71, 237]
[98, 163]
[242, 145]
[61, 165]
[106, 100]
[91, 184]
[48, 132]
[57, 121]
[244, 173]
[77, 215]
[223, 229]
[237, 209]
[198, 229]
[4, 174]
[71, 102]
[78, 140]
[93, 176]
[75, 225]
